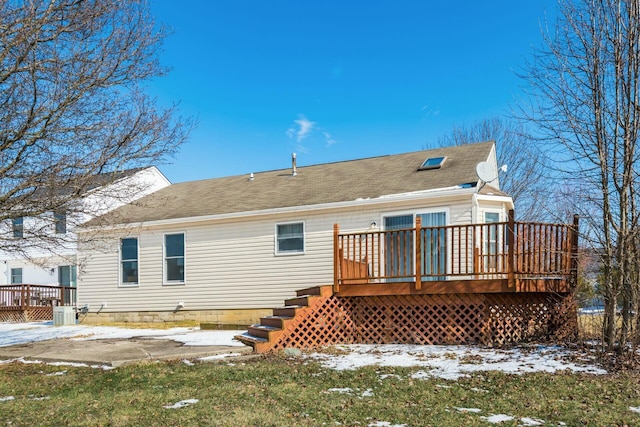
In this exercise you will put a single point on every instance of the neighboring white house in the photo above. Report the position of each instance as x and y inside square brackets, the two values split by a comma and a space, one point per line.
[45, 263]
[226, 250]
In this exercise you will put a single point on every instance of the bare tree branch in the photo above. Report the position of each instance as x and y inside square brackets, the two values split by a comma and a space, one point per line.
[585, 81]
[72, 102]
[524, 179]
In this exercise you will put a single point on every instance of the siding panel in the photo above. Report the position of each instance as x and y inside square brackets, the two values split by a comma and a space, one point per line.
[231, 264]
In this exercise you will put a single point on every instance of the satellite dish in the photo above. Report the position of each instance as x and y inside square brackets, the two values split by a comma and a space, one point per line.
[485, 172]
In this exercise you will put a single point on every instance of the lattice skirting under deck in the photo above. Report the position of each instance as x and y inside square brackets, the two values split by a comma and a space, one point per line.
[488, 319]
[31, 314]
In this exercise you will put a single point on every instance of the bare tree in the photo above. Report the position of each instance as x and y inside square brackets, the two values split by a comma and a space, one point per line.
[586, 106]
[72, 107]
[524, 179]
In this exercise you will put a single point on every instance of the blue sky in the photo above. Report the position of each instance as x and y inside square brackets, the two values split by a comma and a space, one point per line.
[335, 80]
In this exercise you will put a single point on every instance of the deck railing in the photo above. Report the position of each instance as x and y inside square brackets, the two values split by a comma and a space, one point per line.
[502, 250]
[25, 296]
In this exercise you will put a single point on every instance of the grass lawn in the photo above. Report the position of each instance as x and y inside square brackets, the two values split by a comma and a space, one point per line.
[274, 391]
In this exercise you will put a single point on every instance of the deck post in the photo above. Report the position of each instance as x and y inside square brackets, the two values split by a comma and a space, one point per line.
[511, 270]
[418, 254]
[573, 272]
[336, 251]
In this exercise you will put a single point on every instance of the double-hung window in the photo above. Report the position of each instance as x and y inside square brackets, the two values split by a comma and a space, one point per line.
[18, 227]
[290, 238]
[174, 258]
[129, 260]
[16, 276]
[60, 222]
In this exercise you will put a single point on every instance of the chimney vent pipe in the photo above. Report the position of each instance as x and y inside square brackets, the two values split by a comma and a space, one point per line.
[294, 169]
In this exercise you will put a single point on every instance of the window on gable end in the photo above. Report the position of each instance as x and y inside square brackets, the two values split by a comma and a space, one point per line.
[17, 225]
[16, 276]
[60, 222]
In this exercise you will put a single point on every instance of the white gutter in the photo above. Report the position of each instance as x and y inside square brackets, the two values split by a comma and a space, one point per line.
[495, 198]
[400, 197]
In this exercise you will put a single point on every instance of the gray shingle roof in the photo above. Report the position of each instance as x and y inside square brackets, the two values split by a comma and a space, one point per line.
[79, 184]
[316, 184]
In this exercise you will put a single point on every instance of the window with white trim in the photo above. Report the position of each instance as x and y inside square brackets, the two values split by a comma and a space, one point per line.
[290, 238]
[129, 261]
[60, 222]
[16, 276]
[18, 227]
[174, 258]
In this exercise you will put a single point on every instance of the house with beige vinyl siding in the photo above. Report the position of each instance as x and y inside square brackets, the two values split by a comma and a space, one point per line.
[228, 250]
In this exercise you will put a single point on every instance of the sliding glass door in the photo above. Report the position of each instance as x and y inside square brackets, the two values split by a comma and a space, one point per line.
[399, 246]
[434, 246]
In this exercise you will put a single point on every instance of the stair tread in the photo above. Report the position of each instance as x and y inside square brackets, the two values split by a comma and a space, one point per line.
[265, 327]
[273, 326]
[249, 337]
[275, 318]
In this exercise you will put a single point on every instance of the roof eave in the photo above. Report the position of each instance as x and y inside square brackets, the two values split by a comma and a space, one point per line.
[402, 197]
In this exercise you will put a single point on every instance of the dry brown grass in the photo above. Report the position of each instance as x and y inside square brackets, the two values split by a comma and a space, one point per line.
[590, 325]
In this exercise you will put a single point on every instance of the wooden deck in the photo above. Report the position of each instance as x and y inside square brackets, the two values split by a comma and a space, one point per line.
[491, 284]
[505, 257]
[27, 303]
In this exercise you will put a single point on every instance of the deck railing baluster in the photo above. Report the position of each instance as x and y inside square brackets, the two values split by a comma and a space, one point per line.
[511, 251]
[418, 253]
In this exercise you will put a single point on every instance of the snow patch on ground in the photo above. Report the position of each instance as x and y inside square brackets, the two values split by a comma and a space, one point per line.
[219, 356]
[531, 422]
[348, 390]
[497, 419]
[181, 404]
[471, 410]
[385, 376]
[22, 333]
[454, 362]
[443, 362]
[74, 365]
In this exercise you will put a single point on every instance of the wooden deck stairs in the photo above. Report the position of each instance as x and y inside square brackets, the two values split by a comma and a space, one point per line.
[265, 336]
[318, 317]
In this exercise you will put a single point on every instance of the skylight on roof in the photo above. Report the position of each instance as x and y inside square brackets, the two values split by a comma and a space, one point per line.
[433, 163]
